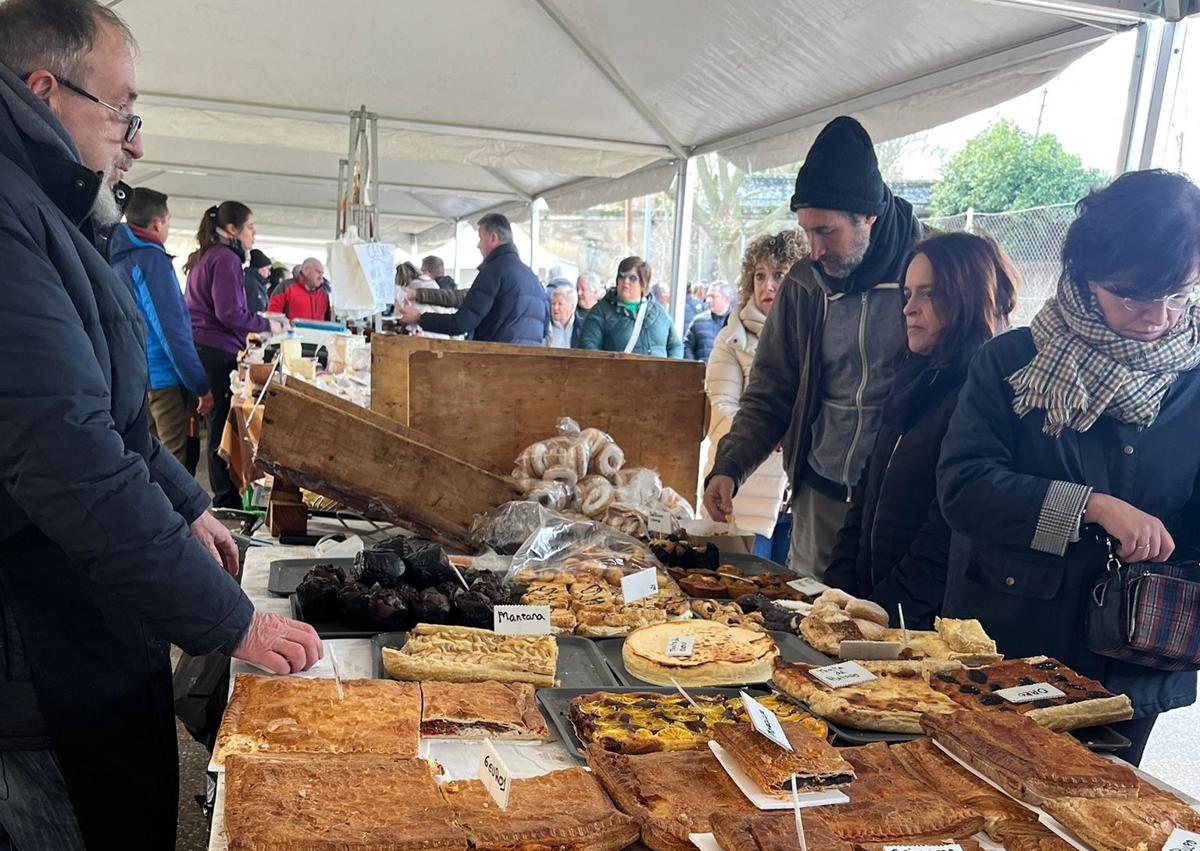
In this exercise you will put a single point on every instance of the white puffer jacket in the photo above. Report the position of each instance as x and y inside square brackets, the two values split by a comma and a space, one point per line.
[756, 506]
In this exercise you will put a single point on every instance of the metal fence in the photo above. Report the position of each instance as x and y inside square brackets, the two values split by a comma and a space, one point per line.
[1033, 238]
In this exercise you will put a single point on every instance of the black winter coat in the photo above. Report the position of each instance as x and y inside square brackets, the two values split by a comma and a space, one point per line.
[506, 304]
[894, 544]
[256, 292]
[701, 334]
[99, 573]
[1013, 495]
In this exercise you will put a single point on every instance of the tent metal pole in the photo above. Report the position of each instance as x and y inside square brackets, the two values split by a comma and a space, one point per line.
[684, 198]
[1137, 78]
[1162, 89]
[457, 265]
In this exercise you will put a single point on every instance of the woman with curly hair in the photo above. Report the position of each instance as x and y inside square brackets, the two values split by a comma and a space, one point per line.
[764, 268]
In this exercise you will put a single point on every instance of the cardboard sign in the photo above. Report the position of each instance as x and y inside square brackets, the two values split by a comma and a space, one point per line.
[1182, 840]
[635, 586]
[494, 775]
[842, 674]
[378, 264]
[1030, 693]
[764, 720]
[521, 620]
[808, 586]
[681, 645]
[659, 522]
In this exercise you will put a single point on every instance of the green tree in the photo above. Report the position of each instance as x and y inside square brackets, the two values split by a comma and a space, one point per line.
[1005, 168]
[718, 212]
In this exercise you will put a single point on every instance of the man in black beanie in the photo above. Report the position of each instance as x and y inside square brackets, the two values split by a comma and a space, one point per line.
[825, 358]
[256, 281]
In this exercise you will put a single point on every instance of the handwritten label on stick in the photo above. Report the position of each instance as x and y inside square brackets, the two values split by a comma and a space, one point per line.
[521, 620]
[659, 522]
[842, 674]
[808, 586]
[1182, 840]
[764, 720]
[494, 774]
[796, 812]
[681, 645]
[1030, 693]
[635, 586]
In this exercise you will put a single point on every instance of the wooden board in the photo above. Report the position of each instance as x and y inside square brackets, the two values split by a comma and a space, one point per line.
[376, 467]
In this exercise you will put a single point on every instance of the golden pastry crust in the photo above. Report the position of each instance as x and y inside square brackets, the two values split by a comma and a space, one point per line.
[893, 702]
[481, 710]
[460, 654]
[564, 810]
[1108, 824]
[765, 831]
[721, 655]
[335, 803]
[279, 715]
[1026, 760]
[825, 628]
[814, 763]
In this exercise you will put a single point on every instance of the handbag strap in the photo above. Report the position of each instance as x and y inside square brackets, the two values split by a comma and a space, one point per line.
[637, 327]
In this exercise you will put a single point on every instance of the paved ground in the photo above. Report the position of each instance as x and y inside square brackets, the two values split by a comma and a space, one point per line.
[1173, 754]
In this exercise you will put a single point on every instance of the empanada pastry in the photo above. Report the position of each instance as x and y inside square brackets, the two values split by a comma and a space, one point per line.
[461, 654]
[721, 655]
[814, 763]
[1108, 824]
[767, 831]
[488, 710]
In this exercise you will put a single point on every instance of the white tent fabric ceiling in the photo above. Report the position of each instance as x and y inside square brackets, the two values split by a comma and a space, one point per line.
[488, 105]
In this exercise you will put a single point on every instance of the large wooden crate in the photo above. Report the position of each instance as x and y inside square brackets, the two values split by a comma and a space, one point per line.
[491, 400]
[374, 465]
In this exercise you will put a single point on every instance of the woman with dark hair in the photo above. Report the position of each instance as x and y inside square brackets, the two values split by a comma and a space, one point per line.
[1079, 434]
[959, 290]
[628, 319]
[216, 300]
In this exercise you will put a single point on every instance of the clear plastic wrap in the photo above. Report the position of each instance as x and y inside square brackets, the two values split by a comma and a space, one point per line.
[580, 547]
[506, 528]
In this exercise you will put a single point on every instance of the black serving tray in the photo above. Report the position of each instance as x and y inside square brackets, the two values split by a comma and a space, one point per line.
[751, 564]
[580, 664]
[286, 573]
[329, 629]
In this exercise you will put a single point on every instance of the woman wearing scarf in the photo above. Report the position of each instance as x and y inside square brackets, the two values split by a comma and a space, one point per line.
[959, 290]
[629, 320]
[1080, 429]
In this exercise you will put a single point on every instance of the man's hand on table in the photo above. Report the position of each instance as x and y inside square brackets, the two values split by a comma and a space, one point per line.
[279, 644]
[215, 538]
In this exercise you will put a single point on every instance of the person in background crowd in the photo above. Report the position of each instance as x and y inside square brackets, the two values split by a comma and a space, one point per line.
[693, 304]
[565, 325]
[659, 293]
[1080, 431]
[107, 553]
[308, 297]
[959, 290]
[178, 384]
[628, 308]
[505, 304]
[410, 284]
[589, 289]
[433, 267]
[757, 504]
[828, 350]
[277, 282]
[216, 300]
[257, 274]
[698, 341]
[296, 271]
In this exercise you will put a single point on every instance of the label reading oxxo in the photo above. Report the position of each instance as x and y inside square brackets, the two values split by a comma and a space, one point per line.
[1182, 840]
[521, 620]
[764, 720]
[681, 645]
[494, 774]
[842, 674]
[635, 586]
[1030, 693]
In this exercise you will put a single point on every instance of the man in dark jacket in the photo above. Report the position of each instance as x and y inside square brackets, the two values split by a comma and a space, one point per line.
[827, 353]
[257, 274]
[702, 333]
[107, 556]
[506, 304]
[178, 384]
[433, 267]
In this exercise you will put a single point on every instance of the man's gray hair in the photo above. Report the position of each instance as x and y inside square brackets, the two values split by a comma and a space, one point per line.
[497, 225]
[566, 291]
[55, 35]
[720, 287]
[308, 261]
[592, 281]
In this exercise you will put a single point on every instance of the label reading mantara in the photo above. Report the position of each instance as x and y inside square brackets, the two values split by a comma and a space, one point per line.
[680, 645]
[1027, 694]
[494, 774]
[635, 586]
[521, 620]
[764, 720]
[842, 674]
[808, 586]
[1182, 840]
[659, 522]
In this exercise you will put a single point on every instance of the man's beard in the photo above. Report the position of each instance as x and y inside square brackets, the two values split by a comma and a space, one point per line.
[843, 267]
[106, 212]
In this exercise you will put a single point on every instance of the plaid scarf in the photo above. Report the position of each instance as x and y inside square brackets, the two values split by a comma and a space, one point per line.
[1084, 370]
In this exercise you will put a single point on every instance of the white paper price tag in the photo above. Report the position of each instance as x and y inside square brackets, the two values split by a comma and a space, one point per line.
[659, 522]
[951, 846]
[1030, 693]
[764, 720]
[494, 774]
[842, 674]
[1182, 840]
[635, 586]
[680, 645]
[808, 586]
[521, 620]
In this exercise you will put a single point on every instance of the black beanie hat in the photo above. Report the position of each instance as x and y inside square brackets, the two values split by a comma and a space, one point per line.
[841, 172]
[258, 260]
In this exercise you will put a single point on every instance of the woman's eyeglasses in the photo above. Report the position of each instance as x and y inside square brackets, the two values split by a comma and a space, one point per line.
[630, 277]
[133, 122]
[1174, 303]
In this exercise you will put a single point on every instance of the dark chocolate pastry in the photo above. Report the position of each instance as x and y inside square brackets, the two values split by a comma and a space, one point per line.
[318, 592]
[390, 610]
[379, 565]
[473, 609]
[428, 566]
[354, 607]
[433, 607]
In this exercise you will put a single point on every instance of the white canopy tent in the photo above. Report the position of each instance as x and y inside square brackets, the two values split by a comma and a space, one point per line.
[489, 106]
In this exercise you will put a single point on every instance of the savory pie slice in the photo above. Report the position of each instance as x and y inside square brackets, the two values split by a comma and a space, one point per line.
[928, 763]
[1030, 837]
[1085, 703]
[814, 763]
[488, 710]
[564, 810]
[298, 715]
[1108, 824]
[893, 702]
[774, 832]
[826, 627]
[670, 794]
[1026, 760]
[461, 654]
[336, 803]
